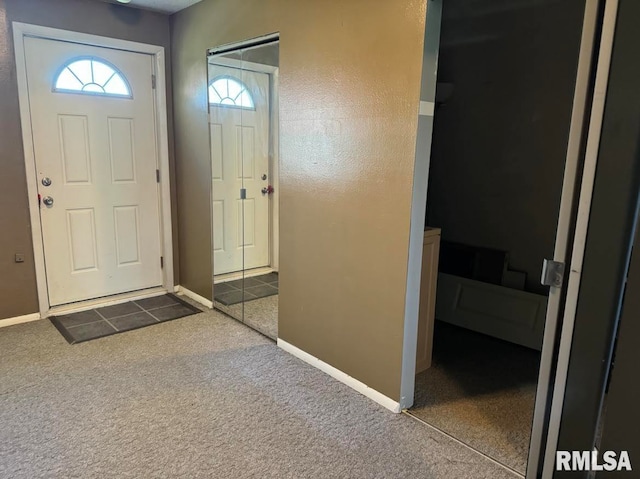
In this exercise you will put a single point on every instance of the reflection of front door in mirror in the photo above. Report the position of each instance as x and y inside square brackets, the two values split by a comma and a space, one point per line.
[239, 128]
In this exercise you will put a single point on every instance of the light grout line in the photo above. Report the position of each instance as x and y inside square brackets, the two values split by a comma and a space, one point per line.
[141, 310]
[83, 324]
[149, 310]
[117, 330]
[507, 468]
[153, 315]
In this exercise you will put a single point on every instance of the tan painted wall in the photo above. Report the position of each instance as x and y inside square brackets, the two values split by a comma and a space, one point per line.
[18, 294]
[349, 88]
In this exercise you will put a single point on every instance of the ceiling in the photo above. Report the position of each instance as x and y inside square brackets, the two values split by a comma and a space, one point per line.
[166, 6]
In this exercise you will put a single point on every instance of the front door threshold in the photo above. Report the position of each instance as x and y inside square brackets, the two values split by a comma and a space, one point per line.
[105, 301]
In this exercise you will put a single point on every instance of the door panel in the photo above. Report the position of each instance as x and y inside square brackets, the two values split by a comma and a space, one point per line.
[122, 150]
[101, 234]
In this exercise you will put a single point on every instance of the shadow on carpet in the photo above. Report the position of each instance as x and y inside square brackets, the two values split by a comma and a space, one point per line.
[480, 390]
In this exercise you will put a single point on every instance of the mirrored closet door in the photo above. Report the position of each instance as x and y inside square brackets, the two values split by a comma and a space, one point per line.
[243, 116]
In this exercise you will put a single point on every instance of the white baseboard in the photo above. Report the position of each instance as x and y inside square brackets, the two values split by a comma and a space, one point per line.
[387, 402]
[196, 297]
[19, 320]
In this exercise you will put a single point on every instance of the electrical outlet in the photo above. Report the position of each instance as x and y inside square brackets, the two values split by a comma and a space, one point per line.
[19, 258]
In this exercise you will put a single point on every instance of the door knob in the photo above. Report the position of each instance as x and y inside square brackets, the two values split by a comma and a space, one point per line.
[48, 201]
[267, 190]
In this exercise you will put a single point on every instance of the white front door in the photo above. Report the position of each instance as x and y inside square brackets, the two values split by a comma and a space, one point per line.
[94, 137]
[239, 128]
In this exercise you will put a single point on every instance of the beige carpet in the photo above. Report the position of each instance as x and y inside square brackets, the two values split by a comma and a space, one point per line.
[481, 391]
[199, 397]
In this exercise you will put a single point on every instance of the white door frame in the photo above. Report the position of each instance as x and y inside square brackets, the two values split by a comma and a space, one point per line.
[22, 30]
[607, 24]
[274, 135]
[563, 235]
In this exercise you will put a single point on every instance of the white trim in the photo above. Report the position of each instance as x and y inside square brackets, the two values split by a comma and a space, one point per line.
[275, 169]
[344, 378]
[427, 108]
[106, 301]
[20, 31]
[162, 126]
[242, 64]
[27, 318]
[419, 189]
[235, 275]
[580, 237]
[194, 296]
[249, 43]
[583, 77]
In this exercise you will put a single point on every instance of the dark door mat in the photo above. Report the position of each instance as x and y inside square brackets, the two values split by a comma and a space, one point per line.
[256, 287]
[108, 320]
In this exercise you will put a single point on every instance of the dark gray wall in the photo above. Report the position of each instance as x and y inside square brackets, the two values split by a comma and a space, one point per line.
[622, 415]
[499, 142]
[18, 294]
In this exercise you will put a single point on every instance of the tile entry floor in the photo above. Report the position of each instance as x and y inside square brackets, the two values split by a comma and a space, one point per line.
[108, 320]
[255, 287]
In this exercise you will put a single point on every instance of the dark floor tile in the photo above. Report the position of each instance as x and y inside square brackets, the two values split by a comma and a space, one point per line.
[156, 302]
[133, 321]
[89, 331]
[76, 319]
[262, 291]
[236, 284]
[119, 310]
[268, 278]
[172, 312]
[222, 288]
[234, 297]
[247, 282]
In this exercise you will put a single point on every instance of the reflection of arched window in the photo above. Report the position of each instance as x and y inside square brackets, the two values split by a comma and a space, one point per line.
[228, 91]
[92, 76]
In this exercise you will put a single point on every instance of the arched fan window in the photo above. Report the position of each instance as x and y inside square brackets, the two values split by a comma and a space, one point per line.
[92, 76]
[228, 91]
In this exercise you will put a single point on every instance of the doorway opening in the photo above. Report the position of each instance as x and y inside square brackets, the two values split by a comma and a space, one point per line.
[243, 132]
[93, 114]
[504, 148]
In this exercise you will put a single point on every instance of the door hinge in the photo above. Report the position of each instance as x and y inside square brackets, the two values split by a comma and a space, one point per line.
[161, 261]
[157, 176]
[243, 193]
[153, 82]
[552, 273]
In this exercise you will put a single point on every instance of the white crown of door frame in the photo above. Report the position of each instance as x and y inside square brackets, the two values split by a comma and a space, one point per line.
[22, 30]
